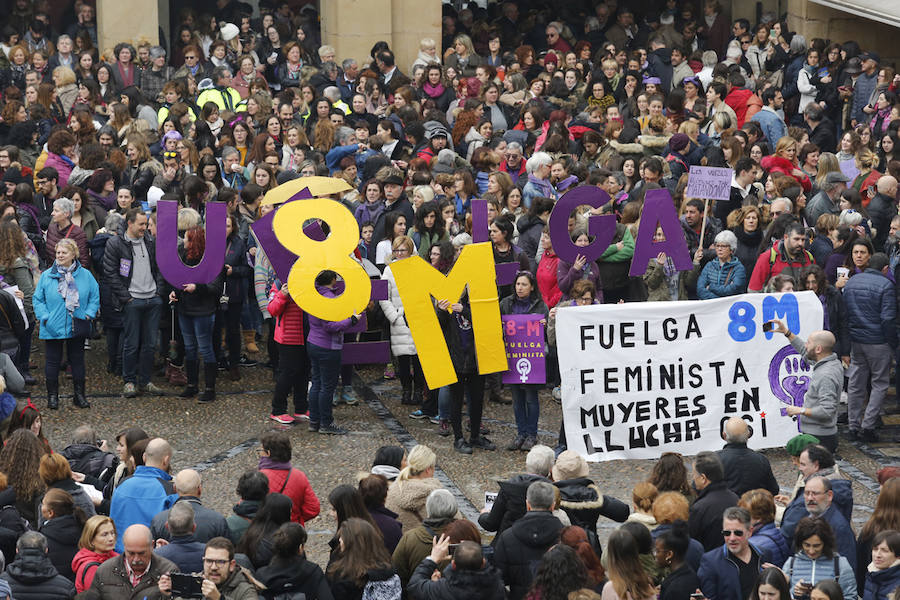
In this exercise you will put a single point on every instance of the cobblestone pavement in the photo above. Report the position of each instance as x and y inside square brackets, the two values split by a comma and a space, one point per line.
[219, 438]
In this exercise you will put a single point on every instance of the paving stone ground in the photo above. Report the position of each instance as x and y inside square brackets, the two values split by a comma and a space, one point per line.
[220, 440]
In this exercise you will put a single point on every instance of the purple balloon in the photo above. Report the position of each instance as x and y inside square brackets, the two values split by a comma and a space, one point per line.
[601, 227]
[659, 211]
[170, 264]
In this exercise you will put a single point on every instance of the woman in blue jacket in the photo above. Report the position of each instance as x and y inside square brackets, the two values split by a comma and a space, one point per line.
[724, 276]
[66, 299]
[883, 576]
[817, 559]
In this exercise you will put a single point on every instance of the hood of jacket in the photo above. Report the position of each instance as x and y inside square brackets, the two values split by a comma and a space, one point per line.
[632, 148]
[32, 567]
[63, 530]
[580, 493]
[537, 529]
[476, 585]
[654, 141]
[412, 493]
[528, 221]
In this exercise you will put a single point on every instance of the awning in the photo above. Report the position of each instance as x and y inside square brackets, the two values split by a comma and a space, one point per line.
[876, 10]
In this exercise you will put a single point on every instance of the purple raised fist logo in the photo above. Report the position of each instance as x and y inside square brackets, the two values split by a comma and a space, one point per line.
[789, 377]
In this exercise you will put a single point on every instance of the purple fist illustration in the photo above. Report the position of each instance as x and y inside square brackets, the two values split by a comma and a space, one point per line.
[789, 377]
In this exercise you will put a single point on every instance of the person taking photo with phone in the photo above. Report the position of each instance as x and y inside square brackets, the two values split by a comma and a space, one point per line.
[221, 578]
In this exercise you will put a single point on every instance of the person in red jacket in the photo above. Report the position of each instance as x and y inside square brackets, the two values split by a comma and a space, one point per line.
[785, 161]
[294, 371]
[546, 271]
[787, 256]
[275, 464]
[743, 101]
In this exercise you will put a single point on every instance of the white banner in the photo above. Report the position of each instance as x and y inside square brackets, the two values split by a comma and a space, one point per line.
[642, 378]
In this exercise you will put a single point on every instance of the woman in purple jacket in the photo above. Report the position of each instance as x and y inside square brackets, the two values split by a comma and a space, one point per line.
[323, 346]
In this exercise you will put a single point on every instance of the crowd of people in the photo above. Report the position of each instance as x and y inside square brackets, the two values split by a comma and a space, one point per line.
[513, 107]
[84, 521]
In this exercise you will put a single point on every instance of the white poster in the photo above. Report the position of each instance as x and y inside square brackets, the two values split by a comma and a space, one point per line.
[643, 378]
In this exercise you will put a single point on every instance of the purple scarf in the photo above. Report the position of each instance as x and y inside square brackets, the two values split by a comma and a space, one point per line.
[434, 91]
[267, 463]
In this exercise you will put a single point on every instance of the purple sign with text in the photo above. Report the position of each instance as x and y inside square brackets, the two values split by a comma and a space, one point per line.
[709, 183]
[659, 211]
[170, 264]
[525, 349]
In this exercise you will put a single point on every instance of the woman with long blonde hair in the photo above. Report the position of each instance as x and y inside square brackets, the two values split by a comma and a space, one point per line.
[627, 578]
[408, 493]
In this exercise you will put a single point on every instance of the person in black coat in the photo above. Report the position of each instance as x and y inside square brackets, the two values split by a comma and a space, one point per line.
[61, 525]
[705, 521]
[509, 506]
[468, 575]
[582, 499]
[289, 572]
[32, 576]
[373, 490]
[531, 225]
[527, 539]
[238, 275]
[745, 469]
[882, 209]
[671, 549]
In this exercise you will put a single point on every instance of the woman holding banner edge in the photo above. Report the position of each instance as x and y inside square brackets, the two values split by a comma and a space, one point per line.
[525, 300]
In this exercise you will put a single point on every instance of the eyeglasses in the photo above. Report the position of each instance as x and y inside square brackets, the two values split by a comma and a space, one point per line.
[219, 562]
[812, 493]
[734, 532]
[585, 300]
[190, 58]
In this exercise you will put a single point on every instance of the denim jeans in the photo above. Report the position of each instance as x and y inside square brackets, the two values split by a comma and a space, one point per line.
[526, 408]
[324, 370]
[141, 317]
[293, 376]
[197, 333]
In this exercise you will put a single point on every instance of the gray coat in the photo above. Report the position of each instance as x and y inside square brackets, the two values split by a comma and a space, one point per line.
[825, 384]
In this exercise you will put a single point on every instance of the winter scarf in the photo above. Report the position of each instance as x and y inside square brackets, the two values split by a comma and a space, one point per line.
[66, 286]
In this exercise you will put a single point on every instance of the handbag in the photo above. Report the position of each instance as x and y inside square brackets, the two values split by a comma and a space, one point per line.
[81, 327]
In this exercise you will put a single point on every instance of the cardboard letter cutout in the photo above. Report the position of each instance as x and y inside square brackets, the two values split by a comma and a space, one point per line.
[170, 265]
[418, 282]
[601, 227]
[659, 210]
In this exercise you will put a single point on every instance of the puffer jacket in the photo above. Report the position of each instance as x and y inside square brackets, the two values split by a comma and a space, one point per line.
[769, 540]
[583, 501]
[718, 279]
[33, 577]
[62, 535]
[879, 584]
[530, 228]
[407, 499]
[63, 165]
[509, 506]
[871, 308]
[401, 337]
[778, 164]
[288, 318]
[521, 547]
[800, 566]
[85, 563]
[50, 308]
[483, 584]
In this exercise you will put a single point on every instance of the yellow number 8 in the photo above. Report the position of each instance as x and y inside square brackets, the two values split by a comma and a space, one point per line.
[333, 254]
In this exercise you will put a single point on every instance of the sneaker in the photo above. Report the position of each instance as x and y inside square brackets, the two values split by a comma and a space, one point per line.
[246, 361]
[313, 426]
[337, 399]
[516, 444]
[301, 416]
[482, 443]
[152, 389]
[87, 344]
[462, 446]
[389, 372]
[434, 420]
[222, 364]
[283, 419]
[418, 415]
[130, 391]
[556, 394]
[444, 428]
[529, 443]
[349, 397]
[332, 430]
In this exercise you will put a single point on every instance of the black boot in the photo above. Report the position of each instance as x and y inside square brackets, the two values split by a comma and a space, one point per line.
[406, 399]
[80, 399]
[53, 394]
[210, 371]
[192, 371]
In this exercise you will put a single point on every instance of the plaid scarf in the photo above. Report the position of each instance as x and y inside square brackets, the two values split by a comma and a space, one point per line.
[66, 286]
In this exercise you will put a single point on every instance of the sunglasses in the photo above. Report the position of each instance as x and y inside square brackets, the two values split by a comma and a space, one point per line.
[734, 532]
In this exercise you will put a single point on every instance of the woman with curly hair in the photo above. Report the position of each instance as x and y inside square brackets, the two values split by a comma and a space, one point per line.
[670, 475]
[576, 538]
[560, 572]
[20, 460]
[197, 305]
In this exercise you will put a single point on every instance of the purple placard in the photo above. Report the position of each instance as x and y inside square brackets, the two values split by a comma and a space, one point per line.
[524, 336]
[366, 353]
[171, 267]
[601, 227]
[710, 183]
[480, 224]
[659, 211]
